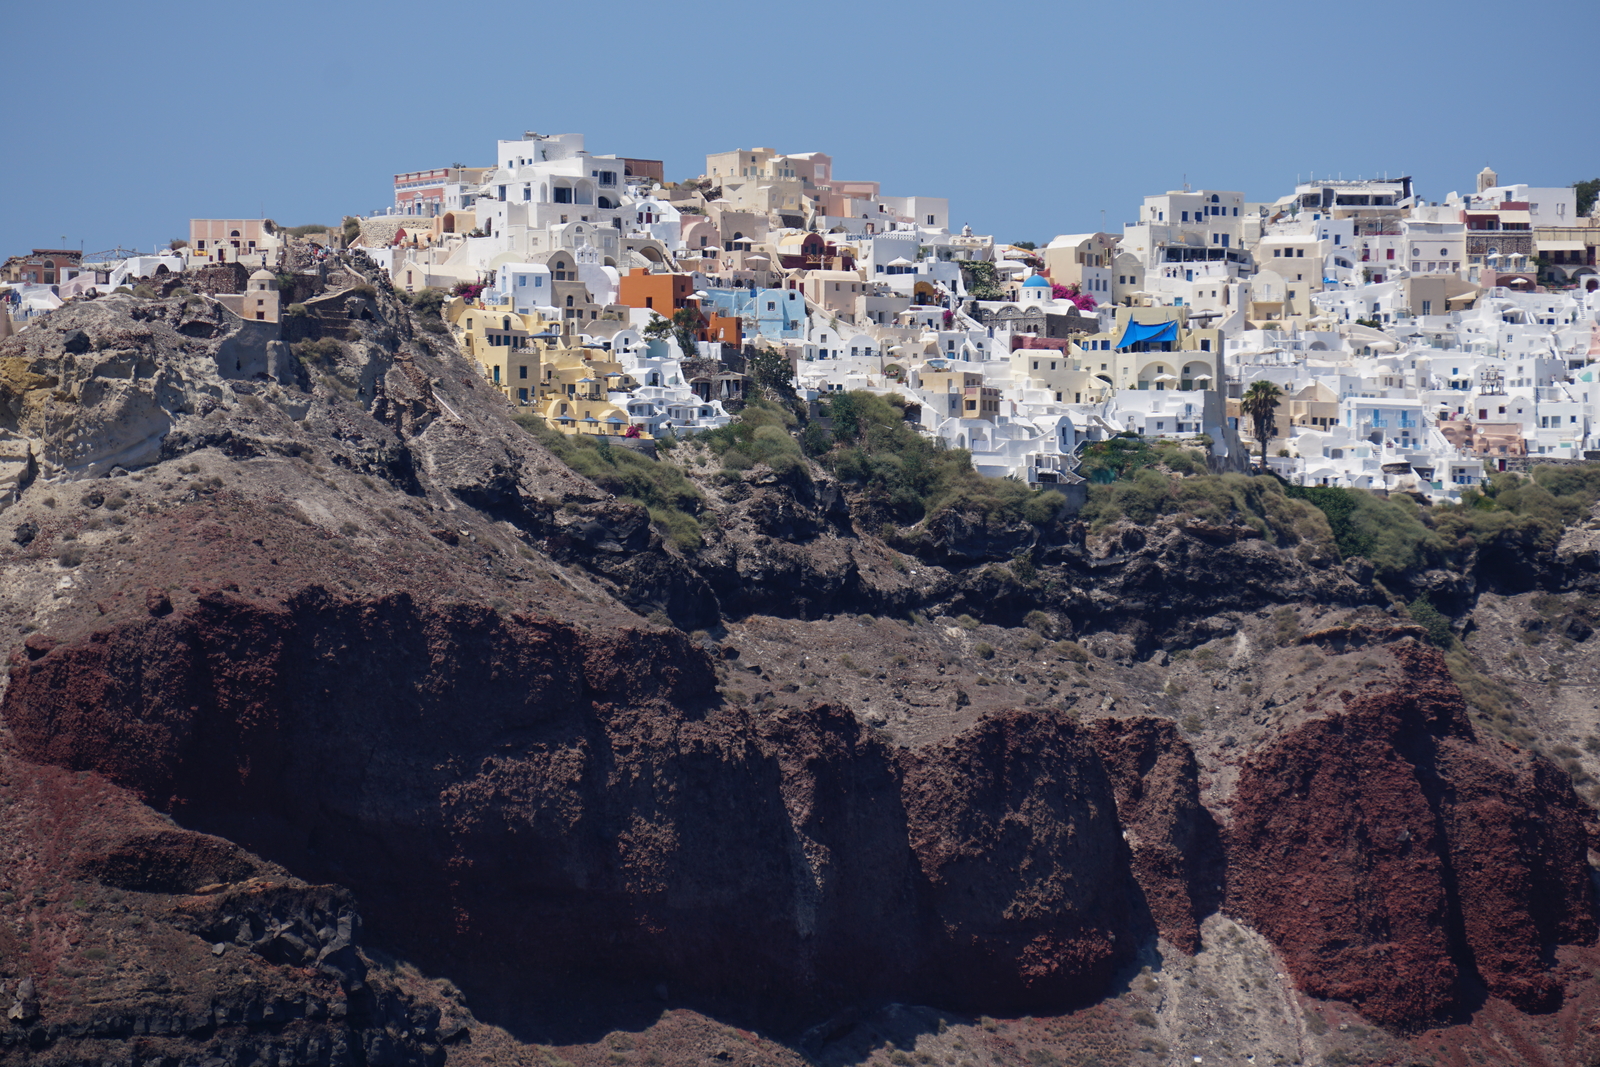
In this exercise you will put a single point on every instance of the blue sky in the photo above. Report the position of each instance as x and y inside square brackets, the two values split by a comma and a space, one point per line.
[1032, 118]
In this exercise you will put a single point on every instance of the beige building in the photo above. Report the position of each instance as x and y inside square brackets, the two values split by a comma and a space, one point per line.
[1081, 259]
[835, 291]
[1315, 407]
[1188, 360]
[261, 300]
[964, 394]
[1060, 372]
[573, 393]
[1276, 299]
[225, 240]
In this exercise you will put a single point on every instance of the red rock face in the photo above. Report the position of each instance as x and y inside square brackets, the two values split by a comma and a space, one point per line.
[510, 796]
[1397, 861]
[526, 805]
[1176, 856]
[1015, 829]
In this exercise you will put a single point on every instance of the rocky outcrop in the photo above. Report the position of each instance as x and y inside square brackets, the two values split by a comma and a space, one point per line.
[1015, 829]
[1176, 854]
[145, 943]
[1397, 861]
[596, 813]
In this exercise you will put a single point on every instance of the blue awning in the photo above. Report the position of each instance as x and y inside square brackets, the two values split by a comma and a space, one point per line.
[1154, 333]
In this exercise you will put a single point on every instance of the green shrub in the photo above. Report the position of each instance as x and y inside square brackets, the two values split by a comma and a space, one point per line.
[1262, 503]
[1023, 569]
[671, 499]
[1127, 453]
[984, 650]
[1073, 651]
[761, 434]
[915, 476]
[427, 302]
[1437, 624]
[319, 353]
[1039, 622]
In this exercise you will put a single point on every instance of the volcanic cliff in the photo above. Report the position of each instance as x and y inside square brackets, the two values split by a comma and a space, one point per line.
[344, 724]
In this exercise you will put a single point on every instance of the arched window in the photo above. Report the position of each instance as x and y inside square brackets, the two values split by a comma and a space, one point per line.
[569, 301]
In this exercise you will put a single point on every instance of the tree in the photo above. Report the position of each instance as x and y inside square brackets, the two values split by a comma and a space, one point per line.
[981, 281]
[772, 371]
[1260, 403]
[680, 327]
[1587, 191]
[1026, 246]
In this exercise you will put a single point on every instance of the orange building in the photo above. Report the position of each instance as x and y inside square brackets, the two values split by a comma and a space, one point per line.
[667, 293]
[662, 293]
[725, 328]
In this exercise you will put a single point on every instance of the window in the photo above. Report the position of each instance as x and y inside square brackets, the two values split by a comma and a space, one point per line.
[930, 220]
[1388, 253]
[1300, 253]
[522, 371]
[563, 195]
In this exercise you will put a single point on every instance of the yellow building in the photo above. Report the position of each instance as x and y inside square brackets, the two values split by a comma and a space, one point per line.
[573, 391]
[539, 364]
[1183, 357]
[508, 347]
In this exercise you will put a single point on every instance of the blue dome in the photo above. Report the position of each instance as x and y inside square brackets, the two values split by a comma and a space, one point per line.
[1036, 282]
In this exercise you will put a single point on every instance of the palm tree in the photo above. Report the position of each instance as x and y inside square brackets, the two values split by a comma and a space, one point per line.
[1260, 402]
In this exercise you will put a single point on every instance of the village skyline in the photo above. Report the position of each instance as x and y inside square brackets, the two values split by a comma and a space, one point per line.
[1031, 123]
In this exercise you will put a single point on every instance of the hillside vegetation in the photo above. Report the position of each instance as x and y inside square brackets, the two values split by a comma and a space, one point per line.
[673, 500]
[872, 447]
